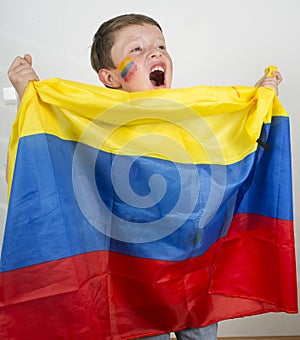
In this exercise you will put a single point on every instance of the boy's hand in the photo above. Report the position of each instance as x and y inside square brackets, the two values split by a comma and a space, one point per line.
[271, 82]
[21, 73]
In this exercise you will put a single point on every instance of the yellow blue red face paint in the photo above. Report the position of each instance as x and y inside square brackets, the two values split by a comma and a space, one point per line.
[127, 68]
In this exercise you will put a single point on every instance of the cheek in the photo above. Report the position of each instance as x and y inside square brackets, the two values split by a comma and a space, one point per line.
[171, 64]
[127, 69]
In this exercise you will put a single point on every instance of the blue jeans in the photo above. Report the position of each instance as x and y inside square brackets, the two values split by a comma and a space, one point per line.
[203, 333]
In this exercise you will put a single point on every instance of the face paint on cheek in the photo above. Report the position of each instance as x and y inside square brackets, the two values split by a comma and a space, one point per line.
[127, 68]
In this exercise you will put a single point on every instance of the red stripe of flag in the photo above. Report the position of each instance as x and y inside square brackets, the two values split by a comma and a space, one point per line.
[94, 295]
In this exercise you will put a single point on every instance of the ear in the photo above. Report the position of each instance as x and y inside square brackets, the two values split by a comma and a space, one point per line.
[108, 78]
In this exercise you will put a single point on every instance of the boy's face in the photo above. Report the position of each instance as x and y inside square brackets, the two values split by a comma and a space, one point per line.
[141, 58]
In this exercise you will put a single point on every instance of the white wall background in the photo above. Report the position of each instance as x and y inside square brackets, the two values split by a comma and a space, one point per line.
[213, 42]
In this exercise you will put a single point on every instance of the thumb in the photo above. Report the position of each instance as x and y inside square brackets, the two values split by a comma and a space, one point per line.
[28, 58]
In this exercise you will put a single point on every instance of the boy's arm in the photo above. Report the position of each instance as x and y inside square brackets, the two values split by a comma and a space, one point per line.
[271, 82]
[20, 73]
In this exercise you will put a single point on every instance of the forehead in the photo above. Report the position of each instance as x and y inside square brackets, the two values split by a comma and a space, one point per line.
[135, 32]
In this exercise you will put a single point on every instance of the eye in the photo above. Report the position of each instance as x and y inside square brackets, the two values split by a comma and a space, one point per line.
[137, 49]
[162, 47]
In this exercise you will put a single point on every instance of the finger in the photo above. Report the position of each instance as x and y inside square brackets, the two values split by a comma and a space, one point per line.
[272, 79]
[275, 74]
[271, 84]
[20, 67]
[269, 79]
[28, 58]
[22, 77]
[17, 69]
[19, 61]
[278, 77]
[24, 72]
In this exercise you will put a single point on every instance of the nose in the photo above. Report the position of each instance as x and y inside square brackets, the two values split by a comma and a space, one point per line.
[155, 53]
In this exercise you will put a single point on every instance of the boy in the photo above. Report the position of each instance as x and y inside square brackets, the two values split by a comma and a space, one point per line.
[129, 53]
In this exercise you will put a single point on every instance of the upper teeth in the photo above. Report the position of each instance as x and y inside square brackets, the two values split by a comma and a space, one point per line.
[157, 68]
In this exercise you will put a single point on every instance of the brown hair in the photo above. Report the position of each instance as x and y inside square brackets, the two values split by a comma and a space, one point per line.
[104, 38]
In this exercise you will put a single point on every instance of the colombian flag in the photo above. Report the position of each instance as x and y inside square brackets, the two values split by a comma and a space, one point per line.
[136, 214]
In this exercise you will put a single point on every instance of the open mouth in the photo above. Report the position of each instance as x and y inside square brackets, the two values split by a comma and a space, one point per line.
[157, 76]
